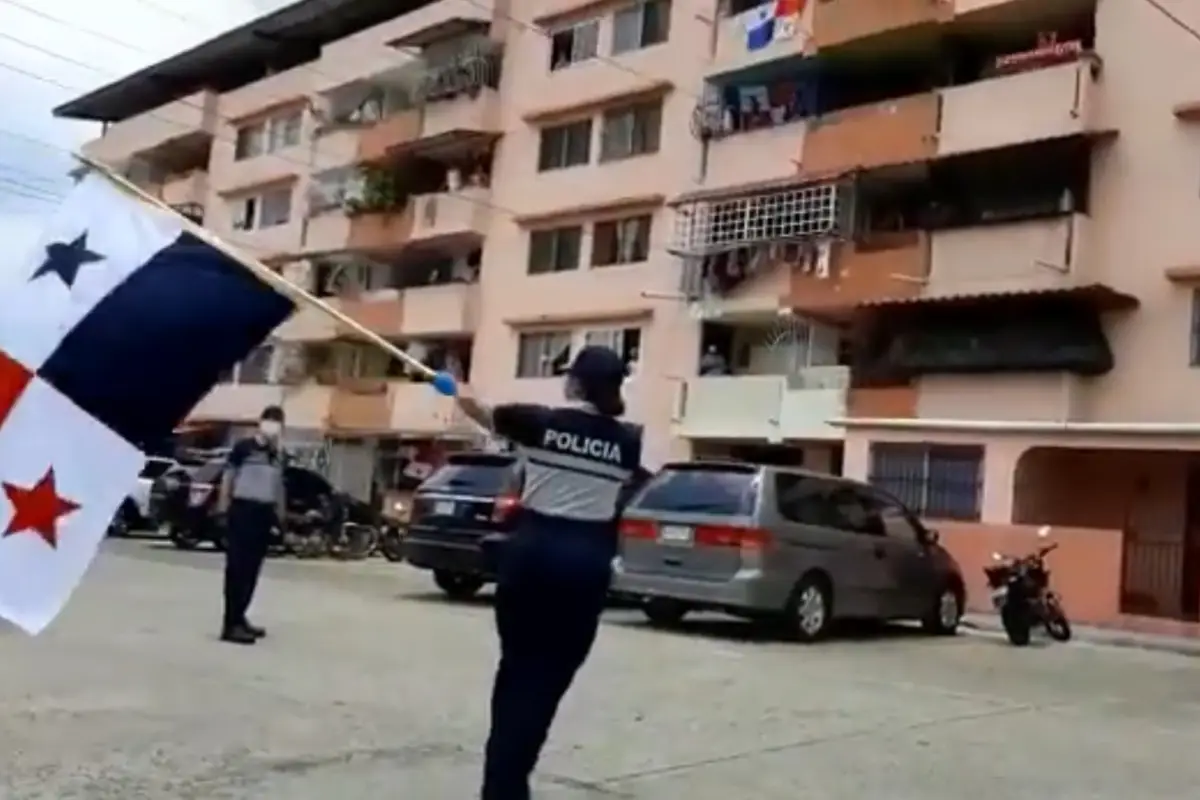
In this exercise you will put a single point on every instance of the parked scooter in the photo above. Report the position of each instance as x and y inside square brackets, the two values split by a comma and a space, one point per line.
[1022, 595]
[393, 527]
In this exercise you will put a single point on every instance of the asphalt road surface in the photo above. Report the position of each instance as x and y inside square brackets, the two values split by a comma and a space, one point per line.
[372, 687]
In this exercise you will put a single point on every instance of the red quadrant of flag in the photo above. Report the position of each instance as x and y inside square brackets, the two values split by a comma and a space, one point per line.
[14, 378]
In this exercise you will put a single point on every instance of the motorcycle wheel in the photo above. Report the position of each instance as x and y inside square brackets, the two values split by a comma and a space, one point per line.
[182, 538]
[359, 543]
[1057, 625]
[392, 547]
[1016, 626]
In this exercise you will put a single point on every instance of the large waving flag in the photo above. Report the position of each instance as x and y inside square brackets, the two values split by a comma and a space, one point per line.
[110, 332]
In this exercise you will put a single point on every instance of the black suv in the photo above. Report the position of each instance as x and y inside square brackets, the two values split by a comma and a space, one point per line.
[461, 515]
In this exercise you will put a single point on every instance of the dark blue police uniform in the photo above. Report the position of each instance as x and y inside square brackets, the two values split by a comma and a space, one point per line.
[554, 574]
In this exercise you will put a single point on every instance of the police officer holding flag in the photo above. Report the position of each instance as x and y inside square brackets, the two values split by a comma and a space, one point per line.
[581, 466]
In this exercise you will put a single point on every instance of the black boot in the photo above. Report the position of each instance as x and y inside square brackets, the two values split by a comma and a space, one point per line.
[238, 634]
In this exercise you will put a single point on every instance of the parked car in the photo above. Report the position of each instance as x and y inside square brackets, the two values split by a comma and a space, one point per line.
[461, 517]
[784, 544]
[136, 512]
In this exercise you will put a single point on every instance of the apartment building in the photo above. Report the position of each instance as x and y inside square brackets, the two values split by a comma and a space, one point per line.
[942, 245]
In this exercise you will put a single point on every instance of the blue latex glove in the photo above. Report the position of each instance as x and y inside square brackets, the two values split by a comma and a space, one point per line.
[445, 384]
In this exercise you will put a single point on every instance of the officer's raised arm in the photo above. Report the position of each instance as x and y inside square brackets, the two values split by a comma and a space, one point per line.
[521, 423]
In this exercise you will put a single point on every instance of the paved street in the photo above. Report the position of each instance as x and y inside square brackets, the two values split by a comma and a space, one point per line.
[372, 687]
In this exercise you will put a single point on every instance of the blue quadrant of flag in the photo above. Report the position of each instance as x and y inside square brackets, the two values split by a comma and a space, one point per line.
[147, 353]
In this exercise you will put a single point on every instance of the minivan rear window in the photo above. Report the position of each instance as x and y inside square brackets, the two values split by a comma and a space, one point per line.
[724, 492]
[486, 479]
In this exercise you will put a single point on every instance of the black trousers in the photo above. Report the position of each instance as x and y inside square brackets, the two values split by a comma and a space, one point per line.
[247, 536]
[546, 619]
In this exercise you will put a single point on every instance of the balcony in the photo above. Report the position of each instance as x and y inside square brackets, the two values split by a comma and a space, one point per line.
[462, 113]
[459, 214]
[1038, 105]
[380, 312]
[237, 402]
[360, 407]
[417, 410]
[1033, 254]
[307, 406]
[327, 232]
[307, 325]
[375, 142]
[838, 21]
[380, 230]
[759, 155]
[182, 122]
[769, 408]
[888, 266]
[731, 53]
[190, 189]
[448, 309]
[892, 132]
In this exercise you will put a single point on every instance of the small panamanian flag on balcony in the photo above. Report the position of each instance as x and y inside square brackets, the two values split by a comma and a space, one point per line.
[772, 21]
[111, 331]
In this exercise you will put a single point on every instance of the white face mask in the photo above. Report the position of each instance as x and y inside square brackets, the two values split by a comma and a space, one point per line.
[270, 429]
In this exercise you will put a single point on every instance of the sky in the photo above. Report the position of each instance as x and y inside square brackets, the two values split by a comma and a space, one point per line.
[88, 44]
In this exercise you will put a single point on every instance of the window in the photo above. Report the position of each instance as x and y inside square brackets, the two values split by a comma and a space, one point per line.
[555, 249]
[574, 44]
[276, 207]
[1194, 357]
[625, 341]
[268, 209]
[565, 146]
[543, 355]
[284, 132]
[641, 25]
[631, 131]
[939, 481]
[727, 490]
[268, 136]
[803, 499]
[621, 241]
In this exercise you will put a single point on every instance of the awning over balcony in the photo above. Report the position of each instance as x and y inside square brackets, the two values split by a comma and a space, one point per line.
[1103, 298]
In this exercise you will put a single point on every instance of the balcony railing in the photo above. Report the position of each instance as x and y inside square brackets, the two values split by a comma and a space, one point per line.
[450, 213]
[764, 407]
[1039, 104]
[189, 117]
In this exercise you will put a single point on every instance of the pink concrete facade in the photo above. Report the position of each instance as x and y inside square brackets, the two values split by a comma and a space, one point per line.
[1124, 93]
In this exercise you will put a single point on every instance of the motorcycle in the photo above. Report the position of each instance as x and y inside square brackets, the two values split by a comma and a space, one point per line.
[1021, 593]
[391, 538]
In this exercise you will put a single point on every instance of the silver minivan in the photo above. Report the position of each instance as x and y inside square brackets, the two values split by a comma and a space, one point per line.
[800, 547]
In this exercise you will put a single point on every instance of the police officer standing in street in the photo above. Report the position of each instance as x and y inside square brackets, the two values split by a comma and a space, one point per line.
[581, 465]
[252, 501]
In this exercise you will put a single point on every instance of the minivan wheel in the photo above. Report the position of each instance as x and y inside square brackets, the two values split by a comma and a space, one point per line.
[664, 613]
[810, 611]
[457, 585]
[944, 614]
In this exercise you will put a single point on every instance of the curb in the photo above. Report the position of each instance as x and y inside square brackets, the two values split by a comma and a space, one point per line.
[989, 625]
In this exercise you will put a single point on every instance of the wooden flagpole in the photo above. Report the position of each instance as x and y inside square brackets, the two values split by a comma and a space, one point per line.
[259, 269]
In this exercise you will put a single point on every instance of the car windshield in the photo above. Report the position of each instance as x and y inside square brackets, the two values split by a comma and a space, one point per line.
[725, 492]
[486, 478]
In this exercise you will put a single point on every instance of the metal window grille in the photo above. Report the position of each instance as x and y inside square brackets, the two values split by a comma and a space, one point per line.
[800, 213]
[942, 482]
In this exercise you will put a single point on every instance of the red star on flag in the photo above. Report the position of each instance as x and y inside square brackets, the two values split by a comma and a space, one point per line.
[37, 509]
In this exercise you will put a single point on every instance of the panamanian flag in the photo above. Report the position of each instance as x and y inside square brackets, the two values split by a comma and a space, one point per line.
[111, 331]
[772, 21]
